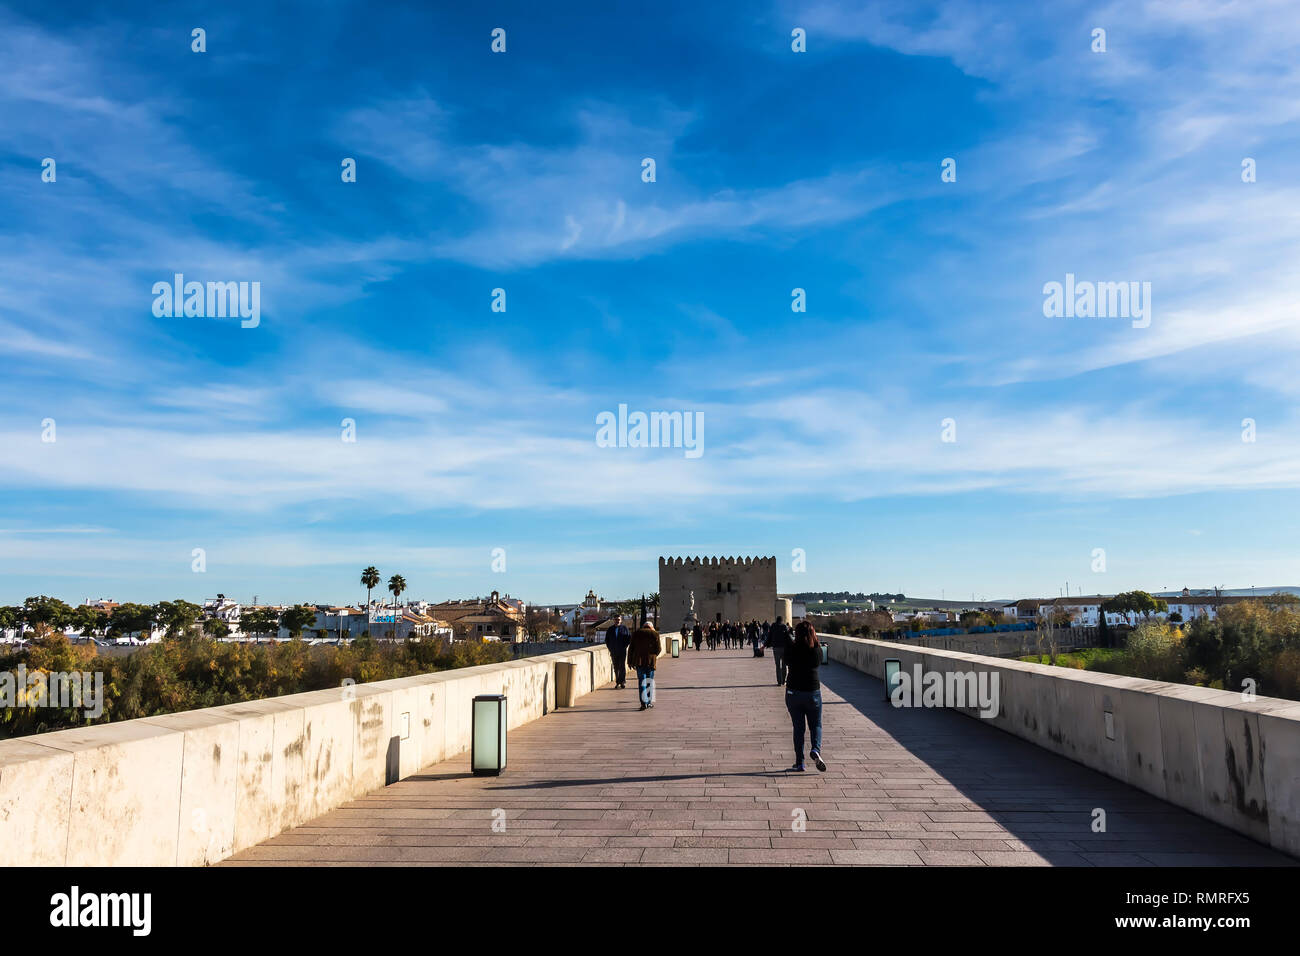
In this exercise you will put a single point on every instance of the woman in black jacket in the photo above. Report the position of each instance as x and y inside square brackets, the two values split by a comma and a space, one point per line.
[803, 692]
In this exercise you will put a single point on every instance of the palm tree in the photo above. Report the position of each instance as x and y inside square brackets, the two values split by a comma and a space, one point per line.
[369, 579]
[396, 584]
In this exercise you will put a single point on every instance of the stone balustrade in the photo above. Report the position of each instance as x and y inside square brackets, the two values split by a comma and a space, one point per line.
[192, 788]
[1233, 761]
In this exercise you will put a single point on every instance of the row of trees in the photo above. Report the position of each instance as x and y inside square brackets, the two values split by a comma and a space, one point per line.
[1249, 646]
[177, 619]
[1248, 640]
[981, 618]
[632, 608]
[183, 675]
[370, 579]
[858, 623]
[46, 613]
[541, 622]
[880, 621]
[1135, 602]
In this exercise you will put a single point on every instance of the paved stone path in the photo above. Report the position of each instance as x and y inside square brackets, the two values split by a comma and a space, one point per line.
[700, 780]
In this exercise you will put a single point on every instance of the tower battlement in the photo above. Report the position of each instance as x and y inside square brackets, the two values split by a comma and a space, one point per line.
[717, 562]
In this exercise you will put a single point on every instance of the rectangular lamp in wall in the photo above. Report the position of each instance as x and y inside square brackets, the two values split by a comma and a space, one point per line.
[488, 735]
[677, 647]
[893, 672]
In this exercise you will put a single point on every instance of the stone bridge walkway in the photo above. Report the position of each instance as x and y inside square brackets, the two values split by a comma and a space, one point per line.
[700, 780]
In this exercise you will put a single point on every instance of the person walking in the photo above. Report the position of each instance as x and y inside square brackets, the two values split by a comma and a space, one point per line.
[643, 654]
[617, 638]
[803, 693]
[778, 638]
[697, 636]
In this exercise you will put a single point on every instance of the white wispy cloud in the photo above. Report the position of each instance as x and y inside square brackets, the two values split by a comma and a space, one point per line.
[1125, 167]
[586, 200]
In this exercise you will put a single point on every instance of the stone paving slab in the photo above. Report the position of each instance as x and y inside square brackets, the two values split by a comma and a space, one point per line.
[700, 780]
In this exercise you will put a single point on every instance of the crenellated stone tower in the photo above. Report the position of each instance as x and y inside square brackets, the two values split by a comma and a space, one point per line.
[726, 589]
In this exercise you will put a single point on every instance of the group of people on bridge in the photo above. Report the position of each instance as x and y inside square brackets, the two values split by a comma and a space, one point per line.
[728, 634]
[796, 653]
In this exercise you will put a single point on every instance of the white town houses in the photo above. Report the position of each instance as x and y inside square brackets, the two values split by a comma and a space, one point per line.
[1085, 611]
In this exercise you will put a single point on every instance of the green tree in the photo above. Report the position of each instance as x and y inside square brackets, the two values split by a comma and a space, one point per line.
[1135, 602]
[369, 580]
[1281, 599]
[297, 619]
[85, 619]
[262, 620]
[177, 617]
[216, 628]
[46, 614]
[1205, 650]
[1153, 651]
[396, 584]
[131, 619]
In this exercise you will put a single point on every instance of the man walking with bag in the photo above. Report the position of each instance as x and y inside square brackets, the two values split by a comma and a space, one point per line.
[644, 656]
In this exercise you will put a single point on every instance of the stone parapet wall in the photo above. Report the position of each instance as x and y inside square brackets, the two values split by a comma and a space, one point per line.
[192, 788]
[1232, 761]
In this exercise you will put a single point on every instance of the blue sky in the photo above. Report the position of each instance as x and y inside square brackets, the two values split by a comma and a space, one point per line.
[775, 170]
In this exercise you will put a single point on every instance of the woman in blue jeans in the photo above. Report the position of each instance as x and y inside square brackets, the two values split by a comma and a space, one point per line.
[803, 692]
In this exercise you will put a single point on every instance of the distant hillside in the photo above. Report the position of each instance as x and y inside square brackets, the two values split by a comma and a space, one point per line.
[846, 597]
[830, 601]
[901, 603]
[1231, 592]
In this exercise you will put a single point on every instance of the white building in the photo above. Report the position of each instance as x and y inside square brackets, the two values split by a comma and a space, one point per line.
[339, 623]
[1085, 611]
[221, 608]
